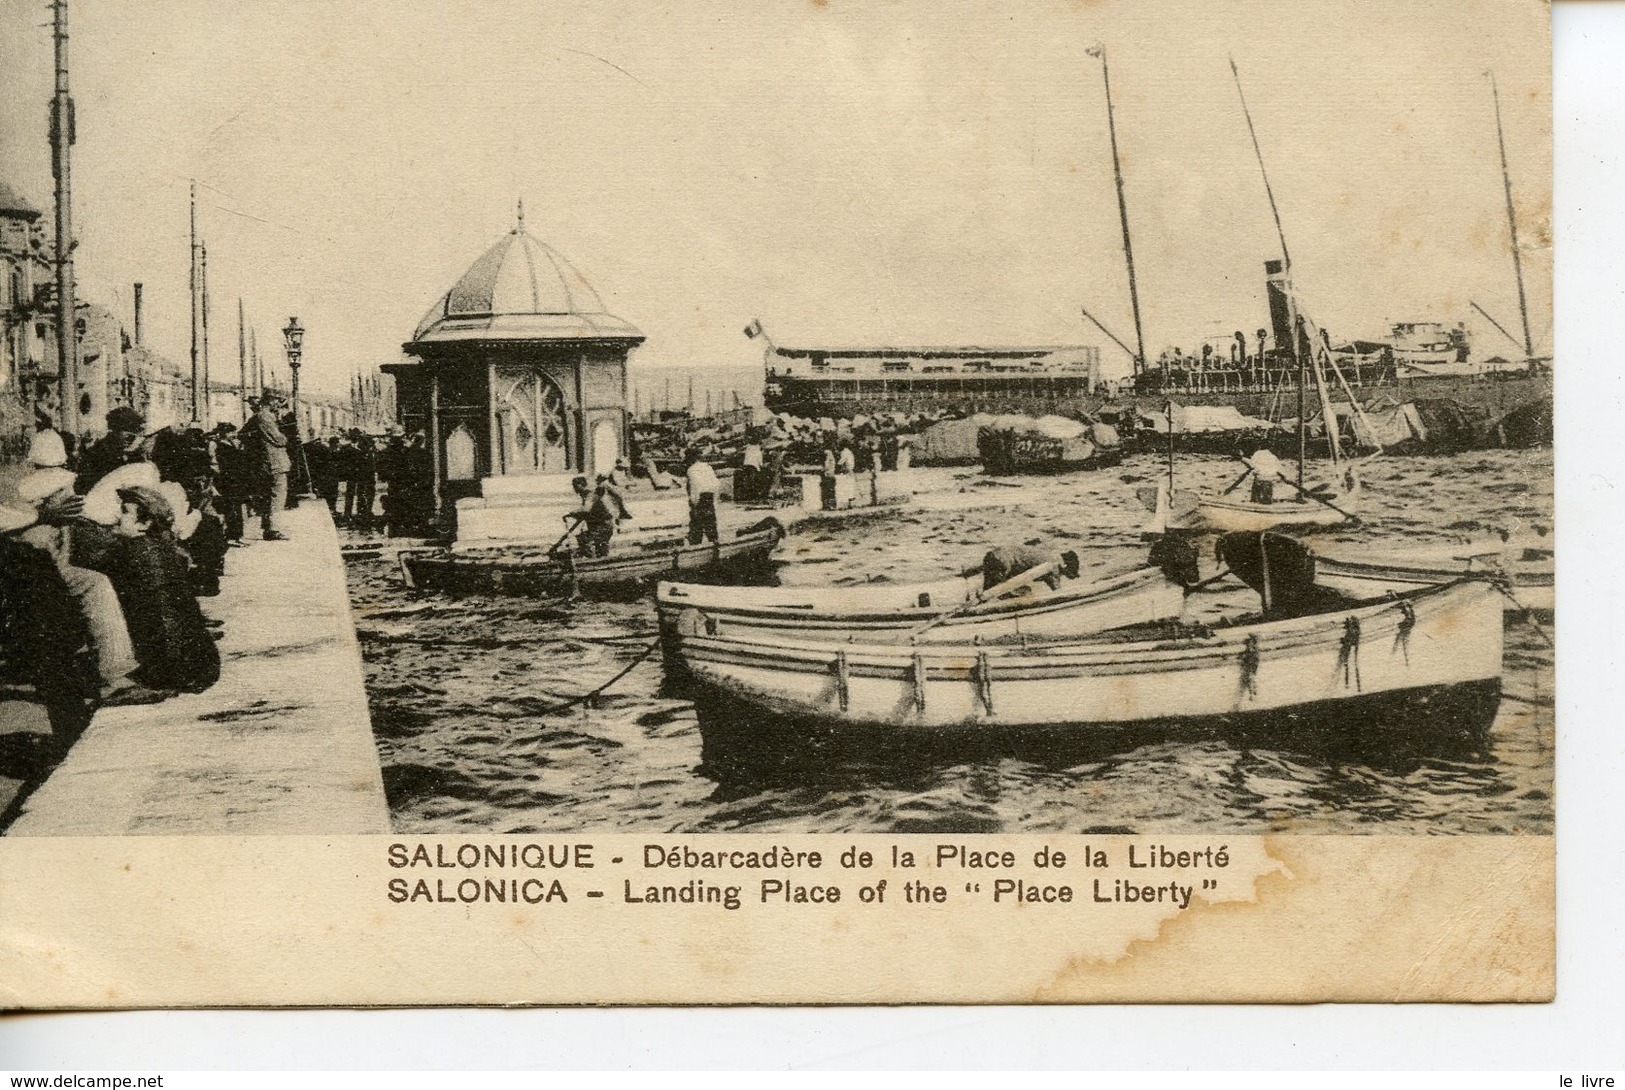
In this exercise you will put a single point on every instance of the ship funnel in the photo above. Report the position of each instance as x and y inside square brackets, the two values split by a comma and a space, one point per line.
[1275, 287]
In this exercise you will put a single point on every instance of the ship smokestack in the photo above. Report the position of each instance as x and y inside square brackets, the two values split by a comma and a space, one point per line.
[1280, 314]
[138, 314]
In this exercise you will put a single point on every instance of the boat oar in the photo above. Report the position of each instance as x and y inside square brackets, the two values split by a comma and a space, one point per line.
[1209, 581]
[570, 528]
[1322, 500]
[998, 590]
[1235, 484]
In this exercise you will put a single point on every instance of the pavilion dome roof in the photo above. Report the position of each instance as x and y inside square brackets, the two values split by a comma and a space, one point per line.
[521, 289]
[12, 203]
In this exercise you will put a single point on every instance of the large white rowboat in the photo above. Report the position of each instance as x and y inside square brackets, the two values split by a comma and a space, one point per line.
[1394, 663]
[886, 613]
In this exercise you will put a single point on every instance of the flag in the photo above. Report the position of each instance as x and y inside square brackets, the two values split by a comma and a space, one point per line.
[1096, 51]
[754, 330]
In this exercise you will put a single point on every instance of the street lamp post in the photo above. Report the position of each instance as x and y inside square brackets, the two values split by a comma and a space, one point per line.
[293, 339]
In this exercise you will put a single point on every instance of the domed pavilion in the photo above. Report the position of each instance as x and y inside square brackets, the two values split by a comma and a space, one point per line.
[518, 377]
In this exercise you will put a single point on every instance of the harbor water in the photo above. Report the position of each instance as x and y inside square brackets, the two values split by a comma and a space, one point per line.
[467, 695]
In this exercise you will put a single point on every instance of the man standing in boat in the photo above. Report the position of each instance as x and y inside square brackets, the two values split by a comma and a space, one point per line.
[604, 513]
[702, 498]
[1266, 469]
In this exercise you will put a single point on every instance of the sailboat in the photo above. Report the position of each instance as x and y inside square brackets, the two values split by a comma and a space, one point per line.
[1265, 507]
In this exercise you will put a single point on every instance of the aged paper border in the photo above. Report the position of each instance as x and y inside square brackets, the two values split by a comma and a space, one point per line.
[1572, 746]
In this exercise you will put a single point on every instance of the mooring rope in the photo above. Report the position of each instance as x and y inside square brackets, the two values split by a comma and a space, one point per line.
[1528, 615]
[594, 694]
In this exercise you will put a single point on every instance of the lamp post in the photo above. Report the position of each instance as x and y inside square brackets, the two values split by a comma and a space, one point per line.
[293, 337]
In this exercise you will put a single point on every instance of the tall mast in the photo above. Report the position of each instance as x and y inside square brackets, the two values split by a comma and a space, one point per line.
[203, 290]
[242, 361]
[1512, 222]
[62, 138]
[1300, 358]
[1122, 208]
[193, 281]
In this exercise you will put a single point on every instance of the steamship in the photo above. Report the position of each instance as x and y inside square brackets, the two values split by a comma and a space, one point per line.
[845, 382]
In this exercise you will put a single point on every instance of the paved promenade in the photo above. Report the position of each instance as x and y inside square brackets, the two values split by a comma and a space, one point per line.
[282, 744]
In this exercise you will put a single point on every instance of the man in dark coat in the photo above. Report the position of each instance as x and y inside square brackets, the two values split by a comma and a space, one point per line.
[323, 481]
[298, 468]
[266, 452]
[231, 480]
[120, 445]
[362, 487]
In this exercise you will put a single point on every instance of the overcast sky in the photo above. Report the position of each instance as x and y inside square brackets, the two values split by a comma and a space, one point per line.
[848, 173]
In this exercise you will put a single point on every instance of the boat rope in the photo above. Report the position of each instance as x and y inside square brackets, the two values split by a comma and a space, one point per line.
[984, 680]
[1402, 636]
[1250, 658]
[594, 694]
[618, 639]
[1501, 583]
[1348, 655]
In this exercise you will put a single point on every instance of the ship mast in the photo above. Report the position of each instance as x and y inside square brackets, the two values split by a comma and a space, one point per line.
[1122, 209]
[1298, 357]
[1512, 222]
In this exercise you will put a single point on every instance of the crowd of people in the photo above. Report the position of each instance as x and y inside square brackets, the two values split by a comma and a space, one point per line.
[105, 550]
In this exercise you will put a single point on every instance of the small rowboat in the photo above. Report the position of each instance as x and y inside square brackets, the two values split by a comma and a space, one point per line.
[1227, 515]
[1529, 572]
[887, 613]
[1428, 659]
[1221, 514]
[540, 574]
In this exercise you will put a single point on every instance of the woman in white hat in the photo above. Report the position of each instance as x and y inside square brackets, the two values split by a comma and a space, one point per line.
[49, 491]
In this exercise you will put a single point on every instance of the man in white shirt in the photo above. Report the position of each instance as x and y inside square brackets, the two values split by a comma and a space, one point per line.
[702, 499]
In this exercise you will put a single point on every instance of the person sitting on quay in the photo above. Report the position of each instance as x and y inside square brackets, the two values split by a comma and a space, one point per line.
[42, 628]
[152, 576]
[201, 535]
[48, 490]
[123, 443]
[703, 487]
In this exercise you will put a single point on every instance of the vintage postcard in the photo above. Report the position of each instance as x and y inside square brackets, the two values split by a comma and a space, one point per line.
[506, 503]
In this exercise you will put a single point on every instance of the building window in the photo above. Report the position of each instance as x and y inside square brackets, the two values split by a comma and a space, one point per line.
[460, 454]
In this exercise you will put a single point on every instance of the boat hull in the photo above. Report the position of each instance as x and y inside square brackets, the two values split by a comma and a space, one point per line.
[888, 614]
[744, 559]
[743, 746]
[1440, 637]
[1532, 586]
[1228, 516]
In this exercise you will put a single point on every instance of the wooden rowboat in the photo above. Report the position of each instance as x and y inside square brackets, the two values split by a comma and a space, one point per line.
[1227, 515]
[541, 574]
[1429, 659]
[1529, 573]
[887, 613]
